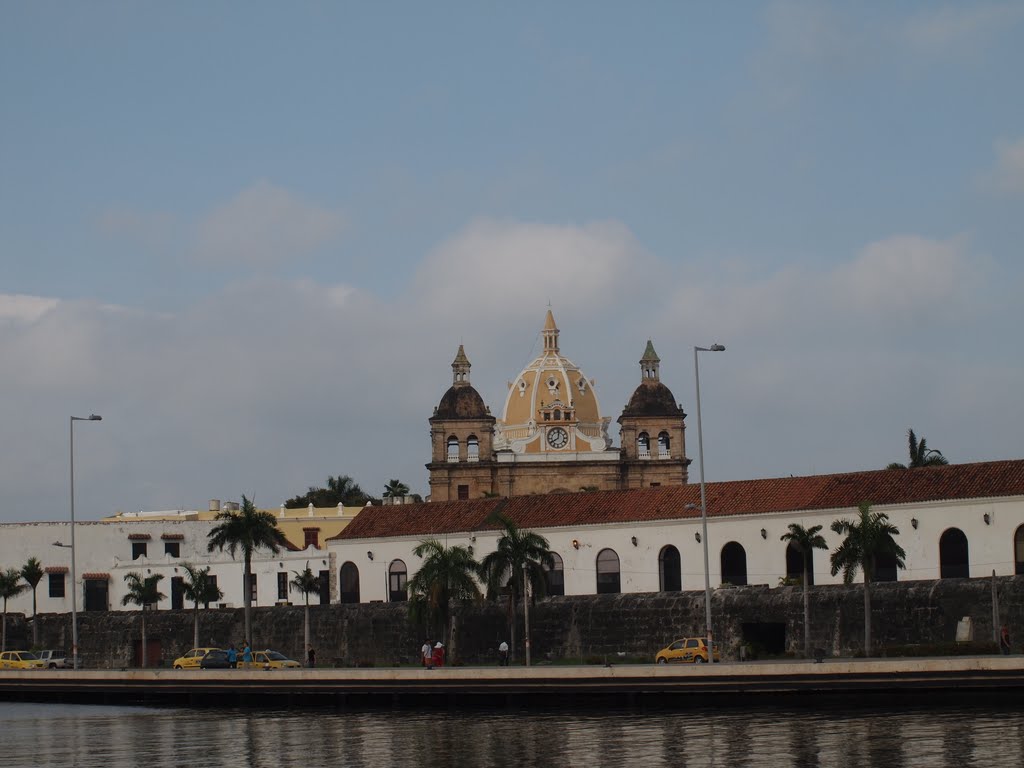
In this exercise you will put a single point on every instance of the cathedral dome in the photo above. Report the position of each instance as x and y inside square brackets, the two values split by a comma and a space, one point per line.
[652, 398]
[461, 401]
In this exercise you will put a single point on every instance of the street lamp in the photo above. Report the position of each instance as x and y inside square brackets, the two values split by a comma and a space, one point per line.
[703, 501]
[74, 588]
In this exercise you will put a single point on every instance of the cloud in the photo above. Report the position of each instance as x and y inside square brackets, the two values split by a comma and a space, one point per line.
[965, 27]
[1007, 176]
[265, 225]
[24, 309]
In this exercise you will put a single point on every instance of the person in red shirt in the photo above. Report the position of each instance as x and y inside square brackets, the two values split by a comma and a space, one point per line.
[438, 658]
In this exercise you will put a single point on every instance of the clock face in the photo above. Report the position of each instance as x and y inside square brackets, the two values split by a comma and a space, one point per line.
[558, 437]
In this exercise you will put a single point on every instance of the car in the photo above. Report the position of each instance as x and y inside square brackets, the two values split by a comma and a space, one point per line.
[215, 659]
[192, 659]
[688, 649]
[269, 660]
[20, 660]
[54, 659]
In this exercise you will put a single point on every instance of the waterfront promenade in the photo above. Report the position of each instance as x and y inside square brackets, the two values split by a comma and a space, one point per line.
[802, 682]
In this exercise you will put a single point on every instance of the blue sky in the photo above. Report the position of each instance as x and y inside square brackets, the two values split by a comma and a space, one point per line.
[252, 235]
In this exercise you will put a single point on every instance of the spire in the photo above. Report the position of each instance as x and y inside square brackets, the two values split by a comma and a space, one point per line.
[550, 333]
[649, 363]
[460, 368]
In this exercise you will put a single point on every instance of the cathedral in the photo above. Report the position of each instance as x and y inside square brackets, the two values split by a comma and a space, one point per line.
[552, 437]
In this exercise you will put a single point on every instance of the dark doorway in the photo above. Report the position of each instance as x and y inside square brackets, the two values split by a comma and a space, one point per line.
[734, 564]
[765, 638]
[96, 595]
[670, 571]
[1018, 551]
[885, 568]
[177, 592]
[398, 577]
[154, 652]
[953, 560]
[325, 587]
[608, 572]
[795, 565]
[349, 583]
[554, 576]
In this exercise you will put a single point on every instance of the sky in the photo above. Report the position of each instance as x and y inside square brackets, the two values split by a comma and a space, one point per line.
[252, 235]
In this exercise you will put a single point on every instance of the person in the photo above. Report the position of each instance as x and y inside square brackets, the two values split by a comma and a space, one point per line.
[246, 653]
[503, 654]
[232, 657]
[311, 655]
[427, 653]
[438, 655]
[1004, 640]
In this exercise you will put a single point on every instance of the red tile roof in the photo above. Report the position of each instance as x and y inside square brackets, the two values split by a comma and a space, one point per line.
[172, 536]
[101, 576]
[139, 537]
[56, 569]
[739, 497]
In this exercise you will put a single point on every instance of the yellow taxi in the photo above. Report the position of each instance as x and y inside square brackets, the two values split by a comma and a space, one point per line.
[191, 659]
[20, 660]
[688, 650]
[269, 660]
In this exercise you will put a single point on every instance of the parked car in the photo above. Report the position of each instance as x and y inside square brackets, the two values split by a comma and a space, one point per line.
[215, 659]
[20, 660]
[269, 660]
[54, 659]
[687, 650]
[192, 659]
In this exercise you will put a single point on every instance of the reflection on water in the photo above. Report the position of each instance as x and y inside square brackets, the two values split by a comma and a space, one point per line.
[111, 737]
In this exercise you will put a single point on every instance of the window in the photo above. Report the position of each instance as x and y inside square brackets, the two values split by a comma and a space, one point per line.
[547, 416]
[212, 581]
[177, 592]
[312, 537]
[56, 584]
[1018, 551]
[608, 572]
[734, 564]
[670, 571]
[139, 549]
[953, 560]
[558, 415]
[349, 583]
[693, 643]
[463, 492]
[397, 578]
[643, 445]
[885, 567]
[663, 444]
[282, 585]
[172, 548]
[555, 576]
[453, 448]
[252, 587]
[472, 448]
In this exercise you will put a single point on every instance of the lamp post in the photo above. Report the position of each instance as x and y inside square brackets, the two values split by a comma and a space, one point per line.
[703, 502]
[74, 587]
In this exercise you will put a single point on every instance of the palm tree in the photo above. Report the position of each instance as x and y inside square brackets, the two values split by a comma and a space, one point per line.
[446, 575]
[199, 588]
[920, 455]
[143, 592]
[806, 540]
[10, 586]
[503, 569]
[32, 572]
[306, 582]
[395, 489]
[248, 529]
[867, 537]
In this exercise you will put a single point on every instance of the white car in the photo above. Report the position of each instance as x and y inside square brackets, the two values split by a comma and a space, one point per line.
[54, 659]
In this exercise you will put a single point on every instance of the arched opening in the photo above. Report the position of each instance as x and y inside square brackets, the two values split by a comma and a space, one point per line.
[608, 572]
[453, 448]
[555, 576]
[1018, 551]
[670, 570]
[953, 561]
[663, 444]
[643, 445]
[398, 575]
[885, 568]
[349, 583]
[472, 448]
[734, 564]
[795, 565]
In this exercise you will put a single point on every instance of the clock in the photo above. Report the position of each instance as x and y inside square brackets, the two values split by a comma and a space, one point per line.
[558, 437]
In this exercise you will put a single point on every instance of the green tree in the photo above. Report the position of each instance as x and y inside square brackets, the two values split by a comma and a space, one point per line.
[868, 537]
[10, 587]
[307, 583]
[806, 540]
[32, 573]
[248, 530]
[143, 592]
[920, 454]
[340, 490]
[503, 570]
[446, 576]
[200, 588]
[395, 489]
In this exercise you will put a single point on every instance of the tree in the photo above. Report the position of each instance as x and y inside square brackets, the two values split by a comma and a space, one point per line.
[32, 572]
[920, 455]
[395, 489]
[306, 582]
[199, 588]
[446, 575]
[867, 538]
[502, 570]
[10, 586]
[340, 490]
[248, 530]
[806, 540]
[143, 592]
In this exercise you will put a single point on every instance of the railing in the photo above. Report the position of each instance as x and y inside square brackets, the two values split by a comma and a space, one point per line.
[453, 459]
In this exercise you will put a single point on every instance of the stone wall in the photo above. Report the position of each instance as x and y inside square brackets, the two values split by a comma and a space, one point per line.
[578, 627]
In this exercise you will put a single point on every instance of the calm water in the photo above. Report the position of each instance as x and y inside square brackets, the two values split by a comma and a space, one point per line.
[108, 737]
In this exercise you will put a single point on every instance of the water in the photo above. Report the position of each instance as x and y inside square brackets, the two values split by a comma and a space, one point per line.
[110, 737]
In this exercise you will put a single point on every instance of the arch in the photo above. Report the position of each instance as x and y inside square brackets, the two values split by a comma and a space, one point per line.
[349, 582]
[953, 555]
[670, 569]
[795, 564]
[608, 581]
[664, 444]
[453, 448]
[734, 564]
[1018, 551]
[555, 576]
[472, 448]
[398, 576]
[643, 445]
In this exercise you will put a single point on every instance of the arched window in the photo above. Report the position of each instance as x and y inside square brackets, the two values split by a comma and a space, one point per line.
[643, 445]
[453, 448]
[795, 564]
[349, 583]
[885, 568]
[398, 575]
[734, 564]
[670, 570]
[953, 561]
[608, 572]
[555, 577]
[663, 444]
[472, 448]
[1018, 551]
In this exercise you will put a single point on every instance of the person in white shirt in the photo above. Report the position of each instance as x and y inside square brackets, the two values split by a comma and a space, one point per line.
[503, 654]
